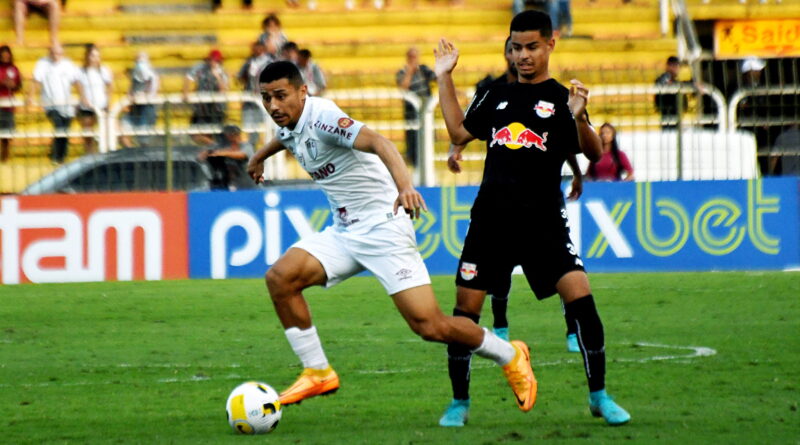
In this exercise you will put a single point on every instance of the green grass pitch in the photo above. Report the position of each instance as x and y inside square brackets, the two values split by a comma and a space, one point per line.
[695, 358]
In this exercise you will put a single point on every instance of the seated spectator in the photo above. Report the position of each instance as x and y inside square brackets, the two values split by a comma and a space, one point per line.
[290, 51]
[208, 77]
[144, 85]
[55, 75]
[312, 74]
[224, 158]
[252, 116]
[97, 82]
[10, 83]
[667, 103]
[50, 9]
[612, 162]
[272, 35]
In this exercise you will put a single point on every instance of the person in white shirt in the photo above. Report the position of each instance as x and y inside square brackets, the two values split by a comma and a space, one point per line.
[366, 182]
[55, 75]
[97, 82]
[141, 114]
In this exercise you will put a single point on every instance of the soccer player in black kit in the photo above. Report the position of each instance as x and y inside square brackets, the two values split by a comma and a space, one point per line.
[518, 217]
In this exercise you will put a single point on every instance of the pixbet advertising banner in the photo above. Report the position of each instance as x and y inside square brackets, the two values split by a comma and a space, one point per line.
[93, 237]
[665, 226]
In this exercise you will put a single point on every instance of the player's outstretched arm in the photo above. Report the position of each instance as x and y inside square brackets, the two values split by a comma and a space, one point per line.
[446, 59]
[409, 198]
[589, 140]
[255, 167]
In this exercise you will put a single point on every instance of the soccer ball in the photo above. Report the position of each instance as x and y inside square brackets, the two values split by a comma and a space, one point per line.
[253, 408]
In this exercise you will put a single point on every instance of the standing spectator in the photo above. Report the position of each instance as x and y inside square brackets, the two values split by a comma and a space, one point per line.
[144, 85]
[667, 103]
[97, 84]
[558, 10]
[613, 160]
[50, 9]
[209, 77]
[312, 74]
[290, 51]
[272, 35]
[417, 79]
[10, 83]
[252, 116]
[755, 110]
[225, 157]
[55, 75]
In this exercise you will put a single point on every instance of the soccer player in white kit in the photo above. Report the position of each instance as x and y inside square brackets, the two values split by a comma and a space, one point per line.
[366, 182]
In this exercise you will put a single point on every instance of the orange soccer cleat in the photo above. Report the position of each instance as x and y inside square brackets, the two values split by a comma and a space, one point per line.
[520, 376]
[312, 382]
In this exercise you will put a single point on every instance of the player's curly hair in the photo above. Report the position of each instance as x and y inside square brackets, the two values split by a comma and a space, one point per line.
[533, 21]
[282, 70]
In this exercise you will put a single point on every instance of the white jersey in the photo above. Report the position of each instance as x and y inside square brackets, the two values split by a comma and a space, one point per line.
[358, 185]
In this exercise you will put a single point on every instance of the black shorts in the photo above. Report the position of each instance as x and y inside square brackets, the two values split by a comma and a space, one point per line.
[497, 242]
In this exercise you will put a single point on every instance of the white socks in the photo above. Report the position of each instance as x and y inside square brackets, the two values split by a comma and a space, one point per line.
[308, 348]
[495, 348]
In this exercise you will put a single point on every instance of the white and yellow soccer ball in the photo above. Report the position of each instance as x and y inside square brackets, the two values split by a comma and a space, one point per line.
[253, 408]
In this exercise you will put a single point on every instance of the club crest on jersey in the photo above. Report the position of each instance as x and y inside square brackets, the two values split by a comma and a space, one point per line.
[544, 109]
[345, 122]
[502, 105]
[468, 270]
[515, 135]
[311, 148]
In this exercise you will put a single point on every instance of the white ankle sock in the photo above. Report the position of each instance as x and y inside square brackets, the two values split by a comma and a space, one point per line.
[307, 346]
[495, 348]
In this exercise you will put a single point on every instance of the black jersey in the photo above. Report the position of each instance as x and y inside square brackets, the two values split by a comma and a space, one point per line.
[529, 130]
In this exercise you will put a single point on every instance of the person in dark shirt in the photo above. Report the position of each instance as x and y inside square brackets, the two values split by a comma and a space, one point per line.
[518, 217]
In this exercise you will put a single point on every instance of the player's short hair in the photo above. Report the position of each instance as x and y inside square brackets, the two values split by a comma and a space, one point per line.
[281, 70]
[533, 21]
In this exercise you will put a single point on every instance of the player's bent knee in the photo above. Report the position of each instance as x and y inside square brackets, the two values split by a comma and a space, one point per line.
[282, 282]
[429, 330]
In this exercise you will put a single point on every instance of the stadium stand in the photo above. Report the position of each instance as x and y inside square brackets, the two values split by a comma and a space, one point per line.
[613, 44]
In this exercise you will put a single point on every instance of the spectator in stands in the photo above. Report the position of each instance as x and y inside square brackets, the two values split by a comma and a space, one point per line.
[415, 78]
[208, 77]
[272, 35]
[97, 84]
[312, 74]
[290, 51]
[50, 9]
[224, 158]
[560, 12]
[252, 116]
[755, 111]
[667, 103]
[144, 85]
[55, 75]
[612, 162]
[10, 83]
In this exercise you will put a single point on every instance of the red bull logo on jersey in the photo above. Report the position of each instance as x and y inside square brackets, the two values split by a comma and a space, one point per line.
[516, 135]
[544, 109]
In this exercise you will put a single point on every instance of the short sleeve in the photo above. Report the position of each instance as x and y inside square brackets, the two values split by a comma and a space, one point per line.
[477, 119]
[571, 143]
[106, 74]
[334, 127]
[39, 71]
[626, 163]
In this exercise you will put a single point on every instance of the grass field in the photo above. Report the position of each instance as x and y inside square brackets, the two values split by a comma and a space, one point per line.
[154, 362]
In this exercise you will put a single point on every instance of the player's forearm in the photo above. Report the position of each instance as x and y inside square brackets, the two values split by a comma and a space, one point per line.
[573, 165]
[391, 158]
[588, 139]
[453, 115]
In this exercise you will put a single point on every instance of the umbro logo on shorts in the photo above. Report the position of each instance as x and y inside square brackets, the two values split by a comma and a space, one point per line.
[403, 274]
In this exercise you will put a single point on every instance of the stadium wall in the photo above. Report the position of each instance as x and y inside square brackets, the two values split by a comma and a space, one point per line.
[617, 227]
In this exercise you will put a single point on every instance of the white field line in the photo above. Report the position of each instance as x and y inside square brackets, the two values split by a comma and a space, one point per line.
[691, 352]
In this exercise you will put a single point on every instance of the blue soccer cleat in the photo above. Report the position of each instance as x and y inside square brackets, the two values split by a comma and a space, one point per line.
[456, 413]
[602, 405]
[501, 332]
[572, 343]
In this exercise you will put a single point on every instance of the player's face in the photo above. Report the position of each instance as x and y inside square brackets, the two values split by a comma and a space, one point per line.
[283, 101]
[530, 52]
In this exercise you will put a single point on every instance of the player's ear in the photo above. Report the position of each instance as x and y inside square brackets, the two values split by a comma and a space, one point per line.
[303, 90]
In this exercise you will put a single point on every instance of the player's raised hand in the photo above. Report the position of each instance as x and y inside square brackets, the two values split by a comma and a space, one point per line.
[446, 58]
[454, 158]
[256, 171]
[410, 200]
[578, 97]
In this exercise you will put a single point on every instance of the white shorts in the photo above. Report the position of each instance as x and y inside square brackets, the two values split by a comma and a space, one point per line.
[388, 250]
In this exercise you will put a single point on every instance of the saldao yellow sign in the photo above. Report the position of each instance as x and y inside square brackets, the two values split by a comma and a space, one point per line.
[737, 39]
